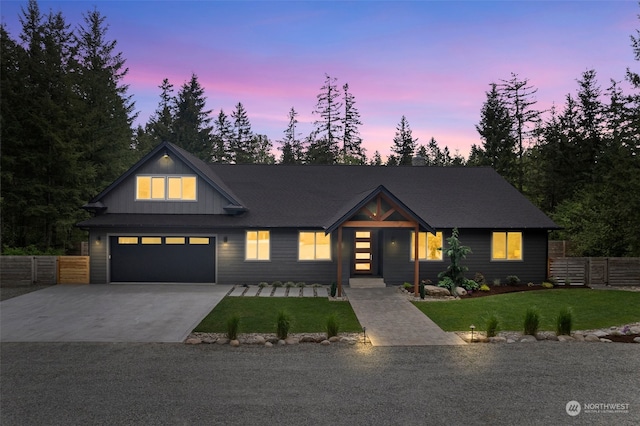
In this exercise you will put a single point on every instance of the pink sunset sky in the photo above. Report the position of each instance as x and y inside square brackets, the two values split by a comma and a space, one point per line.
[430, 61]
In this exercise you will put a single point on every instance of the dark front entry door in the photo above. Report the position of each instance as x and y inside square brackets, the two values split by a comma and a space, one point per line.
[364, 253]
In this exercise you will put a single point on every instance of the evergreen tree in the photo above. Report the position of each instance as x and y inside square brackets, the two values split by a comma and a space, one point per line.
[191, 124]
[221, 139]
[160, 125]
[242, 147]
[263, 146]
[519, 97]
[352, 151]
[376, 160]
[291, 146]
[499, 145]
[328, 126]
[403, 143]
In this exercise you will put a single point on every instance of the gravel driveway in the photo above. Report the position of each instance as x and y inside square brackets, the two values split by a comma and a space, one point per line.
[308, 384]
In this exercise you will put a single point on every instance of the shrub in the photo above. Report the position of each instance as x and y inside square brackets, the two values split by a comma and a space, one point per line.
[530, 284]
[263, 284]
[333, 325]
[334, 289]
[496, 282]
[492, 326]
[283, 324]
[277, 283]
[479, 278]
[567, 281]
[553, 280]
[470, 285]
[564, 321]
[454, 275]
[407, 286]
[484, 287]
[513, 280]
[232, 327]
[531, 322]
[547, 285]
[289, 284]
[421, 289]
[301, 284]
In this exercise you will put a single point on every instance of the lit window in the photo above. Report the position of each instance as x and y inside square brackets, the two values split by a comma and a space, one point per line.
[429, 246]
[507, 246]
[174, 240]
[198, 240]
[314, 246]
[127, 240]
[257, 245]
[166, 188]
[151, 240]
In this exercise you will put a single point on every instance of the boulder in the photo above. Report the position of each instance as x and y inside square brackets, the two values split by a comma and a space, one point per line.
[209, 340]
[600, 333]
[510, 341]
[634, 330]
[461, 291]
[579, 337]
[325, 343]
[282, 342]
[256, 340]
[193, 341]
[436, 291]
[606, 340]
[528, 339]
[291, 341]
[268, 345]
[552, 337]
[591, 338]
[222, 341]
[497, 339]
[235, 343]
[334, 339]
[636, 339]
[307, 339]
[563, 338]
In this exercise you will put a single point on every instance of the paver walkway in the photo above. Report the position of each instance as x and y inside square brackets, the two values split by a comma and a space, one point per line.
[391, 320]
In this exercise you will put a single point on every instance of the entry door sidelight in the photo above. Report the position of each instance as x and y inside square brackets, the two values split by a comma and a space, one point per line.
[363, 253]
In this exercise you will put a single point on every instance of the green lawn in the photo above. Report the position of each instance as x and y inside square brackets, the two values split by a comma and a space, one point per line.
[591, 309]
[258, 315]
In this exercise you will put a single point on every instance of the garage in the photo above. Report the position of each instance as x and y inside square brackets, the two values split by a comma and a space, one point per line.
[165, 259]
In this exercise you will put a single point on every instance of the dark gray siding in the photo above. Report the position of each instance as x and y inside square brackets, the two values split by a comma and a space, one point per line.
[123, 198]
[98, 257]
[398, 267]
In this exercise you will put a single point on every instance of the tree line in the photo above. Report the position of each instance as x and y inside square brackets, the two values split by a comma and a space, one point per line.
[67, 132]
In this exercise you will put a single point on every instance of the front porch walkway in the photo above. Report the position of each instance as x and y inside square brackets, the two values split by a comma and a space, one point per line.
[391, 320]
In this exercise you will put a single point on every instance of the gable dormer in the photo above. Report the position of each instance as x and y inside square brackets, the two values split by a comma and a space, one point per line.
[168, 180]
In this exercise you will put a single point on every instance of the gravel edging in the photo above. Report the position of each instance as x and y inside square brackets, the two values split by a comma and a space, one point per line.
[270, 339]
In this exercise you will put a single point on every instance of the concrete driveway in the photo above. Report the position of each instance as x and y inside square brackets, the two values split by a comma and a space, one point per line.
[108, 313]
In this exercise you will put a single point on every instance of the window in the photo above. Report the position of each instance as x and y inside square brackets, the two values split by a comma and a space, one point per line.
[506, 246]
[257, 245]
[174, 240]
[127, 240]
[151, 240]
[198, 240]
[176, 188]
[314, 246]
[428, 246]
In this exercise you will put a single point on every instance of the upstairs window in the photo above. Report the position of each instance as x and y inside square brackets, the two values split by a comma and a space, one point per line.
[174, 188]
[258, 245]
[314, 246]
[506, 246]
[429, 246]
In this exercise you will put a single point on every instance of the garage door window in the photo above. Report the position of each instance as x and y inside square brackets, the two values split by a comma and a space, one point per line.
[127, 240]
[198, 240]
[174, 240]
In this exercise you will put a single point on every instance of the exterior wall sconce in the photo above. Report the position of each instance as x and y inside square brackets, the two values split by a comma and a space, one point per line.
[166, 154]
[225, 239]
[98, 239]
[393, 241]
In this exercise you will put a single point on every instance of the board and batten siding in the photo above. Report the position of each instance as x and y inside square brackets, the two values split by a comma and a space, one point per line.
[398, 268]
[123, 198]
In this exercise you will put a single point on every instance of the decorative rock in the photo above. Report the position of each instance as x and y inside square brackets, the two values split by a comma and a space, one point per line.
[563, 338]
[433, 290]
[497, 339]
[510, 341]
[209, 340]
[334, 339]
[634, 330]
[636, 339]
[591, 338]
[348, 341]
[307, 339]
[540, 336]
[291, 341]
[606, 340]
[325, 343]
[461, 291]
[616, 332]
[234, 343]
[268, 345]
[528, 339]
[578, 337]
[222, 341]
[282, 342]
[193, 341]
[599, 333]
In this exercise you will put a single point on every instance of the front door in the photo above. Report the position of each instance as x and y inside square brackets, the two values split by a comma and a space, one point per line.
[363, 253]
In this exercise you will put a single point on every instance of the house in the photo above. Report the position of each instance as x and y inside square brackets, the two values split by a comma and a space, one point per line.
[174, 218]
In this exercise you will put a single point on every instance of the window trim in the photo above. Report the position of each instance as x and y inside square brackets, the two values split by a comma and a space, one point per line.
[506, 241]
[425, 259]
[315, 247]
[257, 254]
[166, 188]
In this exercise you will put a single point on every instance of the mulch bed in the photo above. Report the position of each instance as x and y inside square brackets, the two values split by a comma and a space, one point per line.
[625, 338]
[515, 289]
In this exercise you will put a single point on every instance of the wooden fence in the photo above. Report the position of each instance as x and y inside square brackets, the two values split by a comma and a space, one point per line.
[614, 271]
[34, 270]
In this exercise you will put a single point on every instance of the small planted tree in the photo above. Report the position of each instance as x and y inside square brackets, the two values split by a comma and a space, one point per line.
[454, 275]
[283, 324]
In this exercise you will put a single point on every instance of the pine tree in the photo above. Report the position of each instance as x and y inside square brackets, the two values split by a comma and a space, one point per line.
[191, 125]
[221, 139]
[376, 160]
[403, 143]
[242, 147]
[160, 125]
[328, 126]
[519, 97]
[291, 146]
[496, 129]
[352, 151]
[263, 147]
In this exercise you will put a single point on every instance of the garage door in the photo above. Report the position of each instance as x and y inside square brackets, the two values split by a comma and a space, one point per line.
[171, 259]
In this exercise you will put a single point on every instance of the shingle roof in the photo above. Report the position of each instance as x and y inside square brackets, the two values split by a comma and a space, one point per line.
[311, 196]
